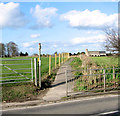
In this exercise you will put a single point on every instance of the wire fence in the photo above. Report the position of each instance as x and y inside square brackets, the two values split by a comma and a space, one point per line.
[92, 80]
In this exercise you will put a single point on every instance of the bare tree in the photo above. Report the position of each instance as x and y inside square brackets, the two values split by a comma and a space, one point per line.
[2, 50]
[12, 49]
[112, 40]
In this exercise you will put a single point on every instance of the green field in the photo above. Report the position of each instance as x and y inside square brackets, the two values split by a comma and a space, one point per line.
[25, 91]
[24, 70]
[97, 80]
[106, 61]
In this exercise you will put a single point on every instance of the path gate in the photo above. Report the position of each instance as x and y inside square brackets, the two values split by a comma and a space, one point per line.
[16, 70]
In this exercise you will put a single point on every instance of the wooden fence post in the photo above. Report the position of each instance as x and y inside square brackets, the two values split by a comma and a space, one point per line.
[104, 80]
[62, 57]
[49, 64]
[68, 55]
[39, 64]
[113, 72]
[55, 60]
[59, 59]
[90, 75]
[66, 83]
[35, 68]
[32, 68]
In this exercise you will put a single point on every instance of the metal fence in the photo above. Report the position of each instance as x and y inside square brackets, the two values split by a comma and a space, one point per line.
[92, 80]
[16, 70]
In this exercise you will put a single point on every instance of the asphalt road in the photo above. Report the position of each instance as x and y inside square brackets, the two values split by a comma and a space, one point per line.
[85, 106]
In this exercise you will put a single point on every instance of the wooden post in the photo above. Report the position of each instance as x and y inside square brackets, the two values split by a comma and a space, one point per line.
[65, 57]
[90, 76]
[59, 59]
[113, 72]
[104, 80]
[62, 57]
[35, 68]
[32, 69]
[68, 55]
[55, 60]
[39, 65]
[66, 83]
[49, 64]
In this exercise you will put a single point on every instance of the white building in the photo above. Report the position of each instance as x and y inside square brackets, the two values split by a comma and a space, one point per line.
[95, 53]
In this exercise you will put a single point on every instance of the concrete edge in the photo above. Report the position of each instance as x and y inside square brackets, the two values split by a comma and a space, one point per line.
[74, 96]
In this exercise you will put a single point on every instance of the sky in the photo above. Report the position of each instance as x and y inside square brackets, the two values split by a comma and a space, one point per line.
[58, 26]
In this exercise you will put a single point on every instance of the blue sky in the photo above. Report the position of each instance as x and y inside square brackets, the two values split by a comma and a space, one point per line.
[59, 26]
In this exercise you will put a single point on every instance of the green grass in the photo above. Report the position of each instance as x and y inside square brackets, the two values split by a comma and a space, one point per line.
[76, 63]
[27, 64]
[26, 91]
[83, 83]
[106, 61]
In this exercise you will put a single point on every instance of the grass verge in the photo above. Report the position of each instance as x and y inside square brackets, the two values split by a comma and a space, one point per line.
[26, 91]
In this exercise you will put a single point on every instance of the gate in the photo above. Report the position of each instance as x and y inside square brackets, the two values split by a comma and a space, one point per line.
[16, 71]
[92, 80]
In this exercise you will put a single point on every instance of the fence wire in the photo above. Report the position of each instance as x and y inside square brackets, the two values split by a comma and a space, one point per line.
[92, 80]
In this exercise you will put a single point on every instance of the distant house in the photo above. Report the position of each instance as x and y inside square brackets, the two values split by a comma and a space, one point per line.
[95, 53]
[35, 55]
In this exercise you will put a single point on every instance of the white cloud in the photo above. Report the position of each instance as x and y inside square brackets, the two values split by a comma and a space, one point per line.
[35, 35]
[55, 45]
[32, 49]
[29, 44]
[89, 19]
[93, 32]
[43, 16]
[86, 40]
[11, 16]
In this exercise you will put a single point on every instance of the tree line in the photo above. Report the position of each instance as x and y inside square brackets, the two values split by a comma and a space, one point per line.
[10, 50]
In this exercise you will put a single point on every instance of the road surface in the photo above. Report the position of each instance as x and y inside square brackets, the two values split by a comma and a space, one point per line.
[94, 105]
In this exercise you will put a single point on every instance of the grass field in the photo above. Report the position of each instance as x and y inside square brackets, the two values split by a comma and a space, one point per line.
[24, 69]
[25, 91]
[106, 61]
[96, 81]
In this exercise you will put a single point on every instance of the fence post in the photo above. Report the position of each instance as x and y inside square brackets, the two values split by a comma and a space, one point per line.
[49, 64]
[32, 69]
[90, 75]
[39, 65]
[62, 57]
[59, 59]
[35, 68]
[55, 59]
[68, 55]
[66, 83]
[113, 72]
[104, 80]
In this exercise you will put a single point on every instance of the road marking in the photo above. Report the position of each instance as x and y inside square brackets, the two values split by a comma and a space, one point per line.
[70, 101]
[111, 112]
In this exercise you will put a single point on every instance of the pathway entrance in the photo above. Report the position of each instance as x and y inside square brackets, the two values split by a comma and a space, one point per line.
[58, 90]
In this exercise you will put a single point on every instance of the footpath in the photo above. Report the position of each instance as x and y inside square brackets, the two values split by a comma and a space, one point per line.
[58, 88]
